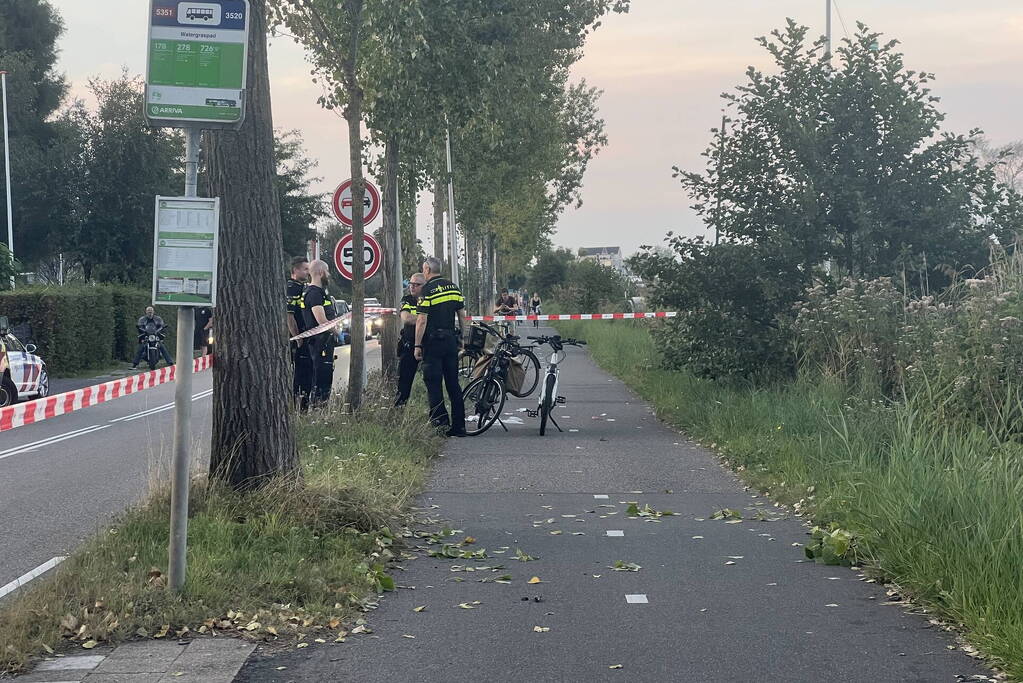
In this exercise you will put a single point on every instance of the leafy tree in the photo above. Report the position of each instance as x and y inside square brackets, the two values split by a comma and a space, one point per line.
[590, 287]
[252, 438]
[29, 30]
[8, 267]
[551, 270]
[127, 164]
[849, 163]
[301, 209]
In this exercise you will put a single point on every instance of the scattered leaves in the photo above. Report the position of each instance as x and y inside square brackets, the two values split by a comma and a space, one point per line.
[620, 566]
[523, 557]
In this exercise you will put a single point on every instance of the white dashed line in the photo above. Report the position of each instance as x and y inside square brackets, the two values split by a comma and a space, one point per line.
[614, 532]
[25, 578]
[600, 496]
[637, 599]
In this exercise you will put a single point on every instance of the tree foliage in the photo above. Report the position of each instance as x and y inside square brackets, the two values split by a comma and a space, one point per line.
[301, 208]
[849, 163]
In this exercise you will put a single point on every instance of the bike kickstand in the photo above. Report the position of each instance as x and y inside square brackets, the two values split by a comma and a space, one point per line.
[503, 426]
[551, 418]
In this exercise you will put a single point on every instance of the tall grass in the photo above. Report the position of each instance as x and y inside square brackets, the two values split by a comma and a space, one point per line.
[936, 505]
[293, 559]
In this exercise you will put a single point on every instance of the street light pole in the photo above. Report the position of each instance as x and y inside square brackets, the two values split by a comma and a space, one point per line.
[827, 48]
[452, 227]
[7, 175]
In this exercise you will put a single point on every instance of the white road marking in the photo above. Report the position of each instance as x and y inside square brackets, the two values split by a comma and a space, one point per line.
[614, 532]
[600, 496]
[52, 440]
[25, 578]
[637, 599]
[35, 445]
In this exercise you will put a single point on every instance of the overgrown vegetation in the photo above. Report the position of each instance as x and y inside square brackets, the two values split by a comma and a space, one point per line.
[293, 560]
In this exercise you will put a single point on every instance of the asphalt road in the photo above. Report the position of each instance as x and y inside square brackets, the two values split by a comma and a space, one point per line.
[711, 602]
[64, 478]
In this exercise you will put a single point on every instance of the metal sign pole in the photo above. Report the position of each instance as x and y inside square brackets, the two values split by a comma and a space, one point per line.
[7, 166]
[177, 562]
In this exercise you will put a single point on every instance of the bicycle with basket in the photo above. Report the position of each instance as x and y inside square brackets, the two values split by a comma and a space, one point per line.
[510, 368]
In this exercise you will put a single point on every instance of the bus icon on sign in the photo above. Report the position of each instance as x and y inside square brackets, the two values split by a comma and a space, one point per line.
[200, 13]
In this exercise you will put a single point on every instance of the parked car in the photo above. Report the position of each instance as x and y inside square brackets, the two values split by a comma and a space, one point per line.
[374, 321]
[22, 373]
[344, 333]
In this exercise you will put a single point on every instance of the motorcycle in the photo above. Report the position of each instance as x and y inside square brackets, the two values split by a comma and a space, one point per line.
[153, 339]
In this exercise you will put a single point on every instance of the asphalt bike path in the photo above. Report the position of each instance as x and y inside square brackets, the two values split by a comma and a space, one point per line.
[710, 601]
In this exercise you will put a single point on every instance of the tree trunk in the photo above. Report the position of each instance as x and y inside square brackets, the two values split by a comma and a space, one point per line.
[439, 198]
[492, 258]
[485, 307]
[353, 114]
[252, 416]
[409, 240]
[392, 267]
[472, 272]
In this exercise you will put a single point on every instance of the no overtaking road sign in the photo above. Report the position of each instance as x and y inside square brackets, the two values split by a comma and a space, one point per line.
[342, 203]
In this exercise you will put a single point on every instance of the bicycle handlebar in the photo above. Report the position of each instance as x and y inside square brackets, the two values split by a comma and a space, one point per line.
[558, 340]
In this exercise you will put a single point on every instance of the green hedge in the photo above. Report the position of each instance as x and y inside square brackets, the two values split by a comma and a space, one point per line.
[80, 328]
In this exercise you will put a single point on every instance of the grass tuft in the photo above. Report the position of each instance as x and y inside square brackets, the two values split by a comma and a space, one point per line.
[292, 560]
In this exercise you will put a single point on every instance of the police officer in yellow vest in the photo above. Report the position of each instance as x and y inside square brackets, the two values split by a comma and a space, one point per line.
[438, 338]
[302, 363]
[318, 308]
[407, 363]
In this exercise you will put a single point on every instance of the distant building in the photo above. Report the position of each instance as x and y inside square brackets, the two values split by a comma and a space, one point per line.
[605, 256]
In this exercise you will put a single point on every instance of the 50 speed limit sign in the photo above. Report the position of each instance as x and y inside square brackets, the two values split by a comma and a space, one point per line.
[344, 255]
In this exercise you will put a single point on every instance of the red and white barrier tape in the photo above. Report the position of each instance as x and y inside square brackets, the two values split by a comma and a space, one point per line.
[577, 316]
[331, 324]
[44, 408]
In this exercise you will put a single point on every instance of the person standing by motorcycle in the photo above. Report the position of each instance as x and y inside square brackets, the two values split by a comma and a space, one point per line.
[302, 362]
[318, 308]
[407, 362]
[149, 324]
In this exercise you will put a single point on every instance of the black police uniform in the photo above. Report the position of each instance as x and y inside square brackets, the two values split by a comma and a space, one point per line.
[440, 299]
[302, 362]
[321, 346]
[407, 363]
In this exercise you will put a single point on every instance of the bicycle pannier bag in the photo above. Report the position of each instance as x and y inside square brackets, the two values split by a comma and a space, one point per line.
[516, 376]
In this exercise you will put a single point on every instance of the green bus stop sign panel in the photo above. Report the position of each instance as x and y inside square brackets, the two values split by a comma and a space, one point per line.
[197, 62]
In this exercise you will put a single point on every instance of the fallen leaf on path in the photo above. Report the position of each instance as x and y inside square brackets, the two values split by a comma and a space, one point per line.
[541, 629]
[535, 579]
[406, 635]
[89, 644]
[556, 532]
[615, 666]
[419, 609]
[301, 645]
[620, 566]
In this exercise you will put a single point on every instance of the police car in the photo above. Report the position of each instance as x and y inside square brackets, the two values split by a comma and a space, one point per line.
[22, 373]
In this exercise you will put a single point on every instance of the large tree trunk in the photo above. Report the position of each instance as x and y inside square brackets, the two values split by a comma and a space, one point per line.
[252, 416]
[353, 114]
[392, 267]
[409, 238]
[439, 197]
[472, 274]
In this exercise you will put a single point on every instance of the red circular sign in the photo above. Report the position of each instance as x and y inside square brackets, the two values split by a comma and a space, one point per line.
[343, 253]
[342, 203]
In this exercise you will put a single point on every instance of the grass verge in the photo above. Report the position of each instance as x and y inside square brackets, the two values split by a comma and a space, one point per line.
[291, 561]
[936, 507]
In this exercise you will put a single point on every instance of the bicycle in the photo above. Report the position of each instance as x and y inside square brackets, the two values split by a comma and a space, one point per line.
[549, 394]
[484, 396]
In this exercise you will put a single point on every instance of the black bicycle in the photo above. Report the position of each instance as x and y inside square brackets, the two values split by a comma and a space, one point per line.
[484, 396]
[475, 351]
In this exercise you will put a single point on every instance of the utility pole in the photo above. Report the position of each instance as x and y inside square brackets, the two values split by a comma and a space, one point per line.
[721, 158]
[827, 35]
[452, 226]
[7, 167]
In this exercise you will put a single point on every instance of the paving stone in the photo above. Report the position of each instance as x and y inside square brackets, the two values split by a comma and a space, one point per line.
[122, 678]
[142, 657]
[76, 663]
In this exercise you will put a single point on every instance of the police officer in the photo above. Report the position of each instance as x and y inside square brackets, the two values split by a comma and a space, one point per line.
[407, 362]
[438, 339]
[302, 385]
[318, 308]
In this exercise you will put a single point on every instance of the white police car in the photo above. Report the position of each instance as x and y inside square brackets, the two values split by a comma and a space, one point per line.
[22, 373]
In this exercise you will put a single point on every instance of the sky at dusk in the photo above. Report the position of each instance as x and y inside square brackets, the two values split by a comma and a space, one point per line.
[662, 68]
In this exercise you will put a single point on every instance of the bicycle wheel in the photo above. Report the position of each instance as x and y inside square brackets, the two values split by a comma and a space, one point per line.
[466, 362]
[531, 366]
[484, 401]
[547, 404]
